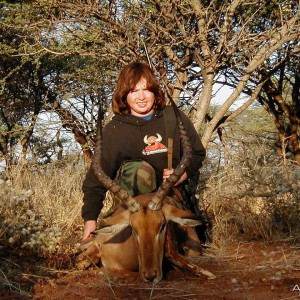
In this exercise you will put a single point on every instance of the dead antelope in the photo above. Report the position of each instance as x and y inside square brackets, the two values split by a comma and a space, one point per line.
[139, 236]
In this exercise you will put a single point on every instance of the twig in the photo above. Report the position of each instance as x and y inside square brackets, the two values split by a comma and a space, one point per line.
[12, 285]
[107, 280]
[152, 289]
[285, 259]
[173, 292]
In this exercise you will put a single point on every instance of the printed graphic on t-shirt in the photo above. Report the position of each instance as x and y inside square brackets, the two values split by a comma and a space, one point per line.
[154, 145]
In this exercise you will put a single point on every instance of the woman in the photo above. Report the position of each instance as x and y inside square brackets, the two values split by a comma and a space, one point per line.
[135, 142]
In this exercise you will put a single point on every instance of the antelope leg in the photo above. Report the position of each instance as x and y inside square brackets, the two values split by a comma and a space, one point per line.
[90, 255]
[179, 260]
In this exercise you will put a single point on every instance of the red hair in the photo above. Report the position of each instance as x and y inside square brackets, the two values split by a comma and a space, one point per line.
[128, 79]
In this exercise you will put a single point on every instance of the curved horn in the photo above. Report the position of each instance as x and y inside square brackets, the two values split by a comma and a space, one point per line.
[159, 138]
[157, 200]
[146, 139]
[110, 184]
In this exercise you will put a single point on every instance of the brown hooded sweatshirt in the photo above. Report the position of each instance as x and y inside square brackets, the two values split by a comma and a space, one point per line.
[127, 137]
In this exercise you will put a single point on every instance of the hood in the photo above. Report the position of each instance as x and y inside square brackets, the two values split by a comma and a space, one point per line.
[134, 120]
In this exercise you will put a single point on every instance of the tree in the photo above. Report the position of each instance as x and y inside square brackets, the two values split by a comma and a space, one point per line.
[191, 44]
[33, 82]
[281, 98]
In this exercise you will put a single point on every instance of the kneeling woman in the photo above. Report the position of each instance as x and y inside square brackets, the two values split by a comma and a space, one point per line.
[135, 142]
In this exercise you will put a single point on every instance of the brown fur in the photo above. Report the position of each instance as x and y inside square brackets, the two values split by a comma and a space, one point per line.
[136, 240]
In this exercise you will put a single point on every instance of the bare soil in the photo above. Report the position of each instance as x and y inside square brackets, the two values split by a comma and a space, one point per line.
[248, 270]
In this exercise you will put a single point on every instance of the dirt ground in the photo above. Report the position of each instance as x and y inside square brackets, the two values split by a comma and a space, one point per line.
[248, 270]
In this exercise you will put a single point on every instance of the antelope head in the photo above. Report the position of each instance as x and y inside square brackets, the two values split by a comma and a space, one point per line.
[147, 214]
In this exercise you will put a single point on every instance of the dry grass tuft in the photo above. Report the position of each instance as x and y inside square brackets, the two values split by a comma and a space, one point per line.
[259, 202]
[40, 208]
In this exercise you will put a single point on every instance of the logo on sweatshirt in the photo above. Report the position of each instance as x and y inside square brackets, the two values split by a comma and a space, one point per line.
[154, 145]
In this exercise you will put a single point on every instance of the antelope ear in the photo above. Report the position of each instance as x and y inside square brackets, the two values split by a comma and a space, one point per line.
[120, 219]
[182, 217]
[113, 229]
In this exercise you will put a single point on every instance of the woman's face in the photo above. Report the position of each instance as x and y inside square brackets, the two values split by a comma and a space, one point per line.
[141, 100]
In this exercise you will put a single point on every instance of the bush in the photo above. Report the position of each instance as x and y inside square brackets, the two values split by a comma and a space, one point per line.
[254, 201]
[21, 226]
[40, 209]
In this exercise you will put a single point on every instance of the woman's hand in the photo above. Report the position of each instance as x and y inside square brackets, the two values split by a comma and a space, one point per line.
[89, 227]
[168, 172]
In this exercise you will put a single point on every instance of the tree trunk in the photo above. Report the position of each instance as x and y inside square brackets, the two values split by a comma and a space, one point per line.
[70, 121]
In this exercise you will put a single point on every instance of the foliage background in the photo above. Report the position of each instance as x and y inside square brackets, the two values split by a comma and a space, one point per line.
[58, 64]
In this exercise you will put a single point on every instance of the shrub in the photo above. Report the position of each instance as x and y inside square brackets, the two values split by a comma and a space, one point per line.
[22, 227]
[40, 208]
[254, 201]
